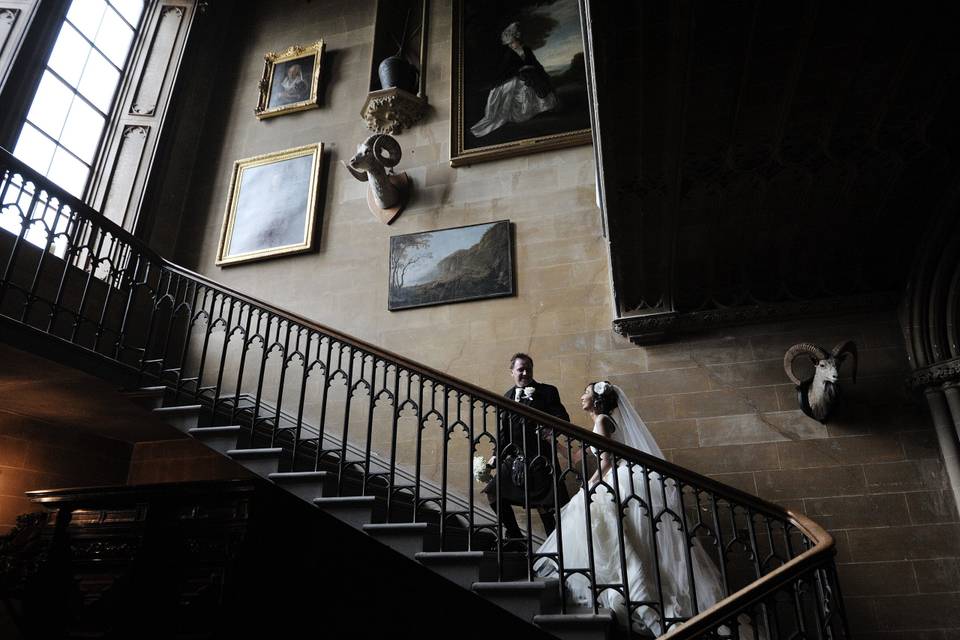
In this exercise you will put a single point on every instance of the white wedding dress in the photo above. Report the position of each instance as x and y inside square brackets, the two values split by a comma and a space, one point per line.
[673, 586]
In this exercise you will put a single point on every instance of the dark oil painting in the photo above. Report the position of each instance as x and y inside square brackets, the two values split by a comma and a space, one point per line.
[451, 265]
[521, 78]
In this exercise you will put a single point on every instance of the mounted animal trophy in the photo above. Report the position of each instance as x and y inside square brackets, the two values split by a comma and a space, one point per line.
[387, 192]
[820, 394]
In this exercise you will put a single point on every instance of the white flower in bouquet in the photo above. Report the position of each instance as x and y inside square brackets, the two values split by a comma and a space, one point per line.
[481, 472]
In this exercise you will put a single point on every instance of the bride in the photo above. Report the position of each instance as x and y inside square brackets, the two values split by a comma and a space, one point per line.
[615, 418]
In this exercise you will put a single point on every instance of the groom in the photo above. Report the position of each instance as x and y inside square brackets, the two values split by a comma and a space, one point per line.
[540, 454]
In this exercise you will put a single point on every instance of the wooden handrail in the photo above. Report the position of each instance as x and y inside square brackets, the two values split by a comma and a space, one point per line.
[759, 589]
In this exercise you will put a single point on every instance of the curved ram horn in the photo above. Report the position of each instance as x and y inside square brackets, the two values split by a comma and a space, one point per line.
[805, 349]
[384, 143]
[359, 175]
[844, 349]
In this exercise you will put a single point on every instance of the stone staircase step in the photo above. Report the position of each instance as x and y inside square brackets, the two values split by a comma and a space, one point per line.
[220, 439]
[579, 624]
[407, 538]
[459, 567]
[184, 417]
[262, 462]
[147, 397]
[521, 598]
[354, 510]
[306, 485]
[536, 602]
[514, 565]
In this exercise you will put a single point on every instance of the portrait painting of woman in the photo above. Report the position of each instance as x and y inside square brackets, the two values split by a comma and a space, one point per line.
[519, 79]
[289, 84]
[290, 80]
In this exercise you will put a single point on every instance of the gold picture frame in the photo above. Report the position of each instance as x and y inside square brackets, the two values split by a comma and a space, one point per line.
[483, 65]
[290, 80]
[271, 206]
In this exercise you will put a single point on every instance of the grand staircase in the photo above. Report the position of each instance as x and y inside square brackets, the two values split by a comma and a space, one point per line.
[381, 442]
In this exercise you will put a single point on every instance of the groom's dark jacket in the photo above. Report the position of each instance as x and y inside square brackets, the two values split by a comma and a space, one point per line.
[512, 432]
[546, 398]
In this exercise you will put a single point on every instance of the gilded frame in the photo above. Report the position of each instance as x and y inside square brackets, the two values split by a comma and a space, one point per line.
[271, 61]
[460, 155]
[228, 228]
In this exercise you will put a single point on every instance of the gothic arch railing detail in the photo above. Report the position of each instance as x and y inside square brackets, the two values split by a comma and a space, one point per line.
[383, 425]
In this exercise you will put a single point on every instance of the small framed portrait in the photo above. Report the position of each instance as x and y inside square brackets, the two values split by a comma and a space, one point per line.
[519, 79]
[451, 265]
[272, 205]
[290, 80]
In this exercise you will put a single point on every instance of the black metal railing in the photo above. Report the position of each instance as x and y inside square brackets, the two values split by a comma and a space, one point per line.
[713, 561]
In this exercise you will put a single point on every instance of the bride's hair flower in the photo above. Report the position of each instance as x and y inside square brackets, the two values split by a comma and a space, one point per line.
[601, 388]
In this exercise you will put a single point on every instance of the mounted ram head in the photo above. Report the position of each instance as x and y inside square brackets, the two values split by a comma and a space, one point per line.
[819, 395]
[387, 192]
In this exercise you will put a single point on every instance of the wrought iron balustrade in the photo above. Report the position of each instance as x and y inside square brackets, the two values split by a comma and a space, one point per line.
[383, 425]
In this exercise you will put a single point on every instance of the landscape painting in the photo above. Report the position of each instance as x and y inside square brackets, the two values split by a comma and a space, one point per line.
[519, 79]
[451, 265]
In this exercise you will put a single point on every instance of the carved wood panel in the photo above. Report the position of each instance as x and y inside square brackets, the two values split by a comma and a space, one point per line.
[8, 22]
[121, 173]
[126, 170]
[14, 18]
[158, 64]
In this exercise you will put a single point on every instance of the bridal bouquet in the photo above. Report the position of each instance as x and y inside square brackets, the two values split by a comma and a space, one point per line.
[481, 470]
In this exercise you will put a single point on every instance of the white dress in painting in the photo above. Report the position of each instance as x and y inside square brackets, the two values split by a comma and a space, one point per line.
[523, 88]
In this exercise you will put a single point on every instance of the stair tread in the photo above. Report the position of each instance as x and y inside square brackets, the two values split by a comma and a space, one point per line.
[255, 453]
[146, 391]
[209, 430]
[299, 475]
[346, 500]
[450, 556]
[580, 615]
[538, 584]
[400, 526]
[183, 408]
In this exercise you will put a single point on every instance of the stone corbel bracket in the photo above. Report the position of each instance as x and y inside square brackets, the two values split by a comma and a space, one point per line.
[392, 110]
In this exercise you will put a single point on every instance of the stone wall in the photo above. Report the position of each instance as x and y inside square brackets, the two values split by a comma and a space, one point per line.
[721, 405]
[718, 403]
[560, 251]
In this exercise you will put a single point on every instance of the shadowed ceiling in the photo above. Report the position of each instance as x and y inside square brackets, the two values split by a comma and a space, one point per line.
[762, 160]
